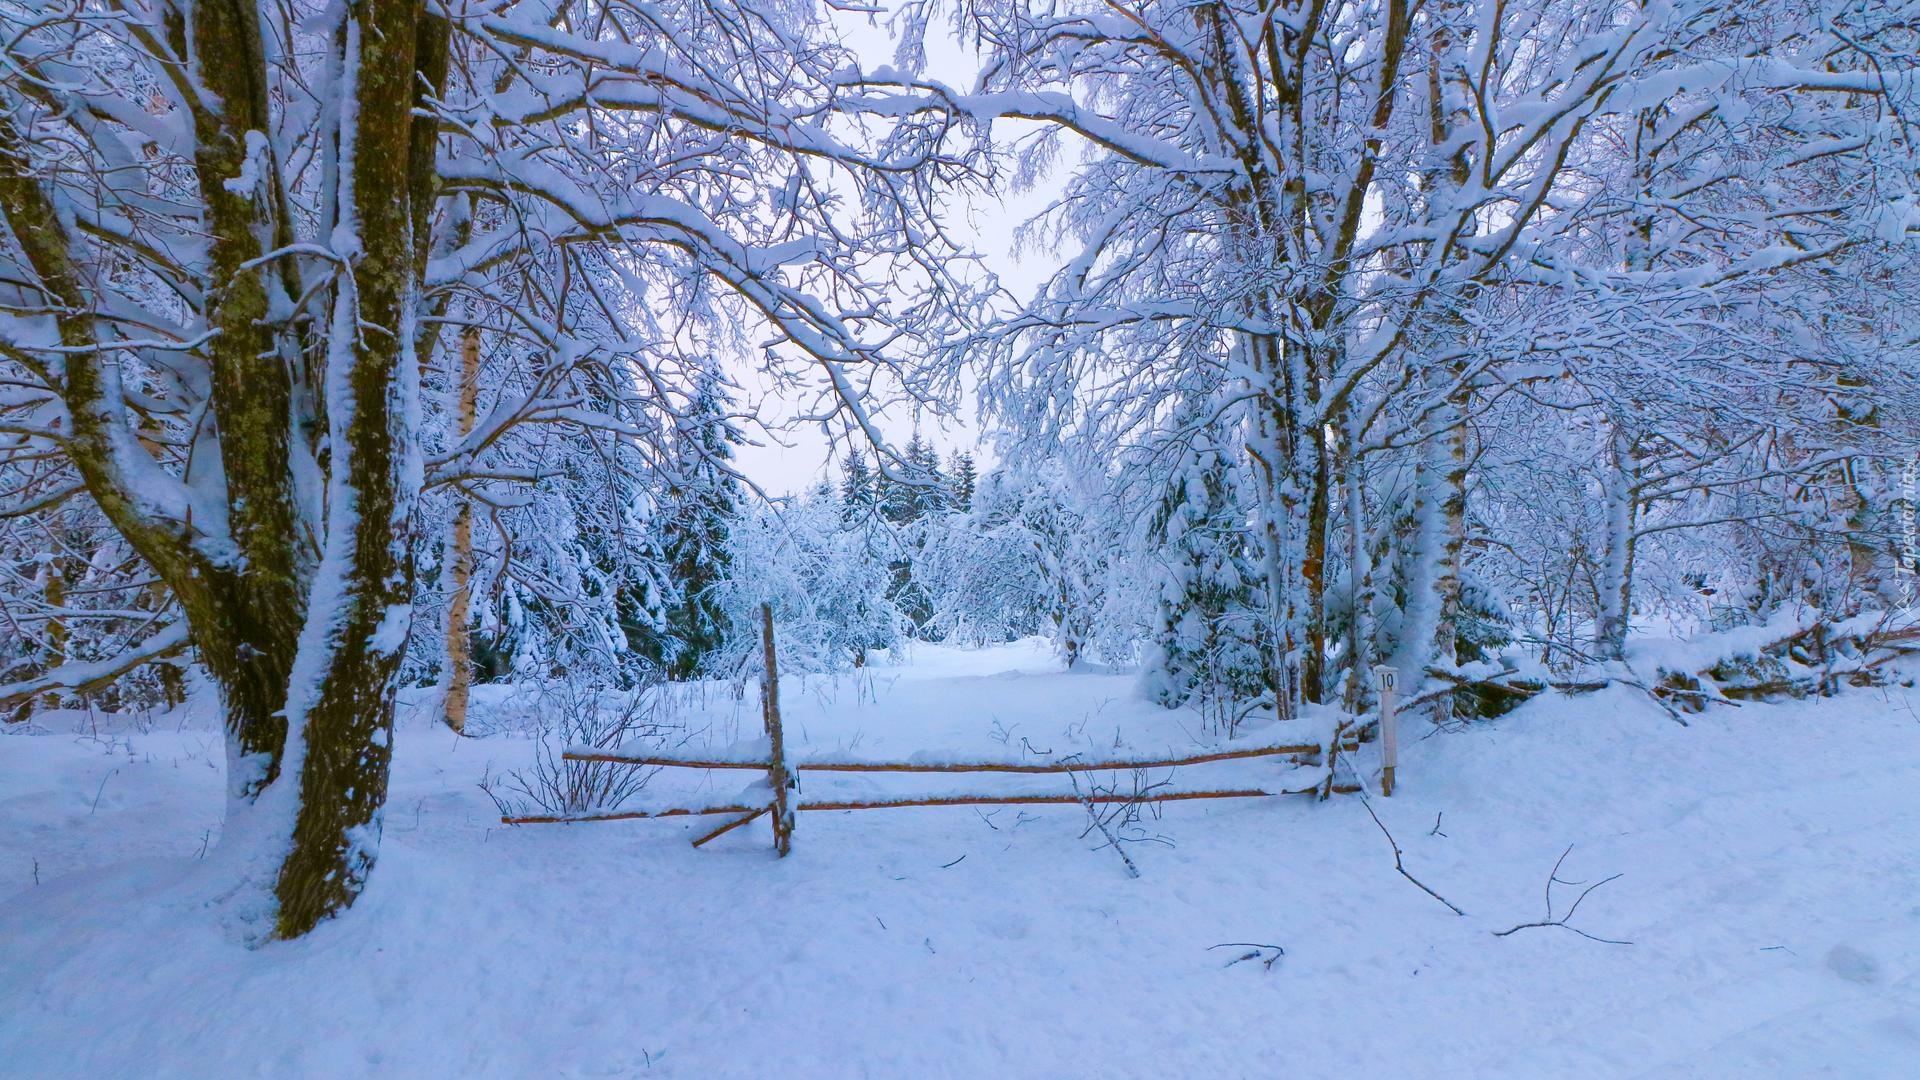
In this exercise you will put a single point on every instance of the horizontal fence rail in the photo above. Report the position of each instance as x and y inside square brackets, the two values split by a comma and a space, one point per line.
[783, 799]
[1063, 765]
[906, 801]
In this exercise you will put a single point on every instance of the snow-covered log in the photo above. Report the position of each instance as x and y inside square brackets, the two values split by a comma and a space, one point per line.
[1787, 657]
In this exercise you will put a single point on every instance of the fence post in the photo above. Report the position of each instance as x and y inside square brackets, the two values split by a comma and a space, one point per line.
[1384, 677]
[779, 778]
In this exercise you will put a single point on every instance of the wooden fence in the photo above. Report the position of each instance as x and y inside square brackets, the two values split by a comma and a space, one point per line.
[782, 801]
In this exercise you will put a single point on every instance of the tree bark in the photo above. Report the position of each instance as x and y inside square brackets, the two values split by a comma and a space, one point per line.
[1432, 640]
[54, 592]
[1269, 448]
[1359, 570]
[1616, 568]
[459, 646]
[781, 780]
[1450, 469]
[358, 621]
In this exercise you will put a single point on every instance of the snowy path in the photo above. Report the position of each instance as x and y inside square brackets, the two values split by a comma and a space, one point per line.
[1771, 862]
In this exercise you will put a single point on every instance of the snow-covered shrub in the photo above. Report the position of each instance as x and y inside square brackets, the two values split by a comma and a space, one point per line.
[567, 713]
[827, 575]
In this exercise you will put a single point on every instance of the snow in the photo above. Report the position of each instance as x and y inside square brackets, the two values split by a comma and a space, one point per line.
[1771, 889]
[1702, 651]
[249, 179]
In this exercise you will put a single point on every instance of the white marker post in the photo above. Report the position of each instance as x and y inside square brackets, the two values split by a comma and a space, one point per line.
[1389, 728]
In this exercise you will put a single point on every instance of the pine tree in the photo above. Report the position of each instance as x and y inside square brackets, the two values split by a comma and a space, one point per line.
[703, 501]
[963, 480]
[1209, 638]
[910, 505]
[932, 493]
[856, 488]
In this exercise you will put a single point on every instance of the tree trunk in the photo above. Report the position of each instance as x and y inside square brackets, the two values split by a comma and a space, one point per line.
[1282, 434]
[1616, 568]
[1420, 629]
[1313, 472]
[344, 679]
[1432, 636]
[1450, 468]
[459, 646]
[1613, 608]
[1359, 570]
[1276, 501]
[54, 592]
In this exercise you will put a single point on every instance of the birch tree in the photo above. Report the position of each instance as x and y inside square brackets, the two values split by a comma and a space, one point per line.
[1368, 221]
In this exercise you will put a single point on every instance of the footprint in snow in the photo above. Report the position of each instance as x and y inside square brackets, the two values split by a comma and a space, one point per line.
[1852, 965]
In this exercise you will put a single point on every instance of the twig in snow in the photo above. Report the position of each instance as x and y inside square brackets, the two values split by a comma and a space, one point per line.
[1907, 703]
[955, 862]
[1554, 878]
[1435, 831]
[101, 791]
[1672, 713]
[1258, 953]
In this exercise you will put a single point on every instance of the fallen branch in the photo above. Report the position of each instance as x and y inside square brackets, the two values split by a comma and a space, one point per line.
[1554, 878]
[1811, 659]
[101, 790]
[730, 826]
[1258, 953]
[1398, 863]
[1126, 811]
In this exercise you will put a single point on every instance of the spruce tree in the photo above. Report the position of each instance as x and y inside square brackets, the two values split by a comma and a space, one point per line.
[910, 505]
[932, 493]
[963, 478]
[856, 488]
[703, 501]
[1208, 641]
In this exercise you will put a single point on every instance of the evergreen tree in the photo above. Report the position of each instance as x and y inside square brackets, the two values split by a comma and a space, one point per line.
[899, 502]
[1208, 641]
[933, 491]
[962, 480]
[856, 488]
[911, 505]
[826, 577]
[702, 504]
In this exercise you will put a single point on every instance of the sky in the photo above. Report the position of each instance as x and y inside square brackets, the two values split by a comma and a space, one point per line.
[792, 460]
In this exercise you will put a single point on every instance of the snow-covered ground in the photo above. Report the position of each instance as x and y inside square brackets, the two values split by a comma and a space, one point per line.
[1770, 886]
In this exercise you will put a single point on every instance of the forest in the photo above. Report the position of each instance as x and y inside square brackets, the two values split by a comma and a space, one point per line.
[380, 366]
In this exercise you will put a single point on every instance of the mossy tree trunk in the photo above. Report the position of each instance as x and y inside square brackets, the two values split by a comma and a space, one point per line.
[299, 609]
